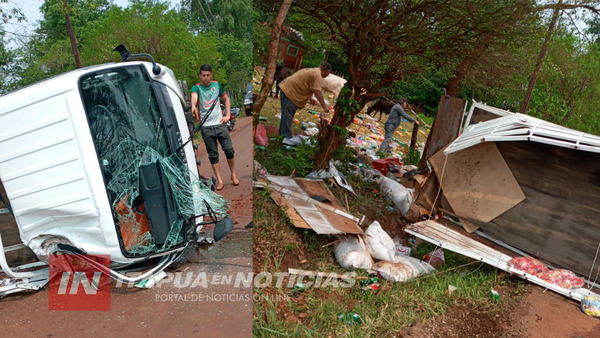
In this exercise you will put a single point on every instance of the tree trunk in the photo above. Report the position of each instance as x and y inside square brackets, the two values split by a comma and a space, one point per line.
[544, 49]
[467, 62]
[267, 81]
[413, 138]
[329, 139]
[72, 36]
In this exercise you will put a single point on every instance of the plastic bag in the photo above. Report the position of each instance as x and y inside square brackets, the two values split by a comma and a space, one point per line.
[563, 278]
[350, 254]
[404, 269]
[528, 265]
[261, 135]
[379, 243]
[435, 258]
[590, 305]
[400, 195]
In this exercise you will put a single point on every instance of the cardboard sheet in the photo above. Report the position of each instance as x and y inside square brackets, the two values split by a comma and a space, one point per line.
[311, 215]
[477, 182]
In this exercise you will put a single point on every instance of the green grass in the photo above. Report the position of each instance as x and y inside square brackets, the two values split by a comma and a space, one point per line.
[280, 161]
[383, 312]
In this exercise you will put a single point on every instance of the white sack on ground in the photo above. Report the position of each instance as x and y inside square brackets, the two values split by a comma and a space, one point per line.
[400, 195]
[351, 255]
[405, 268]
[379, 243]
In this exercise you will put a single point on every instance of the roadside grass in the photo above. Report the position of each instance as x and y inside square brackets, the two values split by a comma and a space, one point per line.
[281, 312]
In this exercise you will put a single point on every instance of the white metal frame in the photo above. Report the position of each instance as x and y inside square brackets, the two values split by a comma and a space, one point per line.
[518, 127]
[455, 241]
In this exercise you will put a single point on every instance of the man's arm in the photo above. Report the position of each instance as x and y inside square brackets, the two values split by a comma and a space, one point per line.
[406, 116]
[227, 116]
[195, 106]
[319, 96]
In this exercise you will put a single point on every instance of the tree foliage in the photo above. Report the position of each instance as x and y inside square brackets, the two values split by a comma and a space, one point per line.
[145, 26]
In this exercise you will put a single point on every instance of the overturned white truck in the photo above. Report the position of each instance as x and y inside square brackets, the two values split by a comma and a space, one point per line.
[95, 162]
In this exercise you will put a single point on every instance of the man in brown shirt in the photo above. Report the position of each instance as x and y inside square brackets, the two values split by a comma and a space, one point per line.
[296, 90]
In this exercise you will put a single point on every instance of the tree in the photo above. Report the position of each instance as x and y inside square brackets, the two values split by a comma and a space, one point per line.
[236, 61]
[154, 30]
[6, 60]
[540, 58]
[49, 51]
[267, 81]
[232, 17]
[7, 15]
[394, 40]
[489, 24]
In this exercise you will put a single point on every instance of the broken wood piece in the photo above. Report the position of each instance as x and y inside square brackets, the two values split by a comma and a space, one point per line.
[347, 205]
[332, 243]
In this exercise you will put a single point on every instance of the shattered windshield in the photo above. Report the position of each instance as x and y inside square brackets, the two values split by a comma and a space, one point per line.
[122, 105]
[151, 191]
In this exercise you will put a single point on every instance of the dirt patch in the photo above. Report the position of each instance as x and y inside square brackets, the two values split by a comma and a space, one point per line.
[547, 314]
[467, 320]
[532, 314]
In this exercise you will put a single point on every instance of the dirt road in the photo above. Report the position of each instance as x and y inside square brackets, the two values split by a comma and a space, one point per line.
[218, 310]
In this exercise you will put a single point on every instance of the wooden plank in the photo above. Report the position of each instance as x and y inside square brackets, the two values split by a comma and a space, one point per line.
[477, 182]
[558, 222]
[445, 127]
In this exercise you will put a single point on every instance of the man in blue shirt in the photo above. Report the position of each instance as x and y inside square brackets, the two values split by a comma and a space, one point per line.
[393, 121]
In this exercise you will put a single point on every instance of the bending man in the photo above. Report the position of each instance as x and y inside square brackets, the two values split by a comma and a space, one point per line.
[296, 90]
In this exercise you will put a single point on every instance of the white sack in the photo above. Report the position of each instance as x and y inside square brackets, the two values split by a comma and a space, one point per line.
[351, 255]
[400, 195]
[405, 268]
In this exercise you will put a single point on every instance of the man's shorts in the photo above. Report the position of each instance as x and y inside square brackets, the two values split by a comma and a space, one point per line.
[213, 134]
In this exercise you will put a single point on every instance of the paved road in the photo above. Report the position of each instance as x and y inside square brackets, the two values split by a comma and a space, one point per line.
[217, 310]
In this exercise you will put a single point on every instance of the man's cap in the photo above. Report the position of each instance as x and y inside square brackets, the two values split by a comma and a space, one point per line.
[326, 65]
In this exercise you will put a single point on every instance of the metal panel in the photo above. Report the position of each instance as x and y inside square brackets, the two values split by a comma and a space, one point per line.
[452, 240]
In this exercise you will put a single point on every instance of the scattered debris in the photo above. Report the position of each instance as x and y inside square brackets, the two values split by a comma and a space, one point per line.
[152, 281]
[340, 179]
[306, 212]
[261, 135]
[379, 243]
[435, 258]
[494, 295]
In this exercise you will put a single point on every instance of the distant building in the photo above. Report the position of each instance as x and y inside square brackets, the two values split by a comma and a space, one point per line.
[292, 48]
